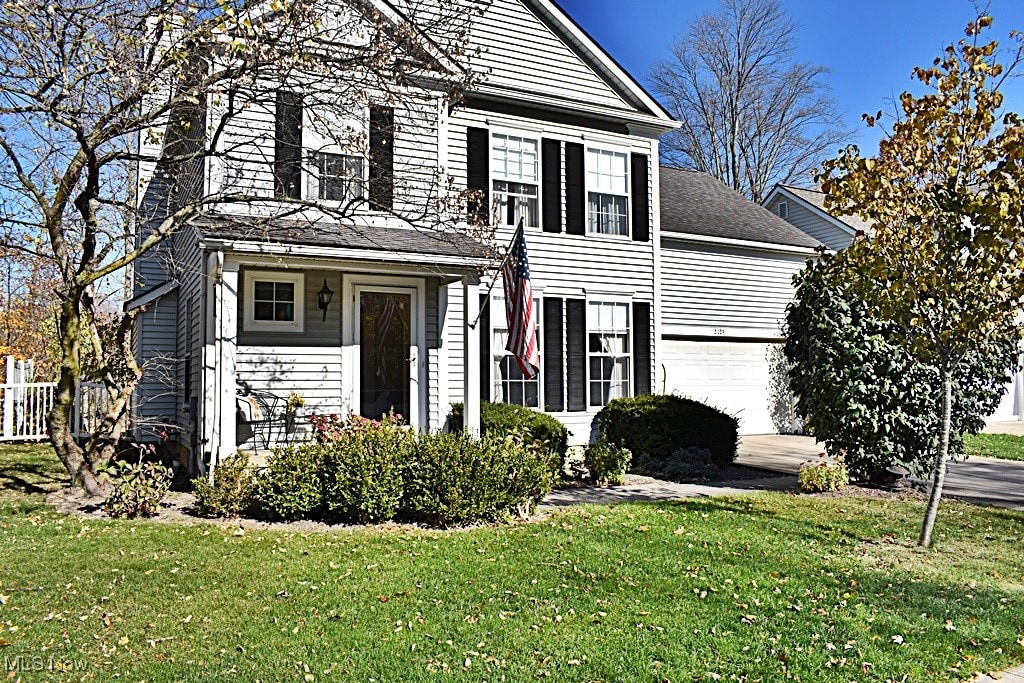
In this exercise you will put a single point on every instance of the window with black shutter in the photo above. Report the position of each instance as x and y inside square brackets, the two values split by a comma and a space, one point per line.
[642, 347]
[382, 158]
[484, 330]
[576, 353]
[552, 345]
[551, 185]
[640, 198]
[478, 145]
[575, 190]
[288, 146]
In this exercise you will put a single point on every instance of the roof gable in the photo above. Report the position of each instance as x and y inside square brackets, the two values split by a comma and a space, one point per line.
[534, 47]
[814, 201]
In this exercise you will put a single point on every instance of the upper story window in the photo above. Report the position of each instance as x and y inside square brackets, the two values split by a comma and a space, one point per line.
[607, 192]
[608, 350]
[323, 151]
[515, 174]
[273, 301]
[783, 209]
[336, 177]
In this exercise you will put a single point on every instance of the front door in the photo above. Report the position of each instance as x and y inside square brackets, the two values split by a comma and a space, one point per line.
[386, 352]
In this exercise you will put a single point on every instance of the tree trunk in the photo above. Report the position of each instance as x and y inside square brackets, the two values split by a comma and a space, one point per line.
[941, 458]
[58, 420]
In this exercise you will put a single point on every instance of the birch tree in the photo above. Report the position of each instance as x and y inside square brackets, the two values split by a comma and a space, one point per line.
[751, 116]
[94, 94]
[945, 194]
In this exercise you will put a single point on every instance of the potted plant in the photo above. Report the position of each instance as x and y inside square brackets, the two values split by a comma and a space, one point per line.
[295, 409]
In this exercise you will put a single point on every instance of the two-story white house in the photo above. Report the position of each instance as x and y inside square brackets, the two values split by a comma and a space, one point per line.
[374, 311]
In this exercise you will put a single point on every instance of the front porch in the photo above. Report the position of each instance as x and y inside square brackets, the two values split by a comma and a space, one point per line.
[337, 335]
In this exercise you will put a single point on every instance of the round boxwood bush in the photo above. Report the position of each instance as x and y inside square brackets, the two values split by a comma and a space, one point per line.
[659, 425]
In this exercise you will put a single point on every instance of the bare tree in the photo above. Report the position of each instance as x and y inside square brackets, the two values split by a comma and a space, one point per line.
[121, 121]
[750, 115]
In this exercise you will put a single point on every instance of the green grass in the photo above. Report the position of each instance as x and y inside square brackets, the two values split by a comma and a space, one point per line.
[765, 587]
[1005, 446]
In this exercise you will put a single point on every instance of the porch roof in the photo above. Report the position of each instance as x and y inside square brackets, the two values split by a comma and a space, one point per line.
[375, 239]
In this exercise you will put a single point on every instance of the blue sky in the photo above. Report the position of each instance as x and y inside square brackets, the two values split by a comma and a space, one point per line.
[871, 46]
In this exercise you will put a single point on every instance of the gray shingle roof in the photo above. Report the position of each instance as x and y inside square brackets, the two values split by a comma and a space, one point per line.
[330, 234]
[817, 199]
[694, 203]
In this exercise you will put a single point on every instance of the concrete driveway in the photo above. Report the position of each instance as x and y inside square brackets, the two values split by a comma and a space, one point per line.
[987, 481]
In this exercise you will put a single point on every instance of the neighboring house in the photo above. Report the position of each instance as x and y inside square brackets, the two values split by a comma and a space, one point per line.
[557, 134]
[805, 209]
[726, 278]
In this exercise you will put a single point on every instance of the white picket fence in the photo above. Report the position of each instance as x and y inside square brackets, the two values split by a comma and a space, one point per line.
[24, 404]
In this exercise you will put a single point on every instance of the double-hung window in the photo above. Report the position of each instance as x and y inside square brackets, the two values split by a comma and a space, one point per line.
[607, 192]
[508, 382]
[608, 350]
[515, 174]
[273, 301]
[338, 177]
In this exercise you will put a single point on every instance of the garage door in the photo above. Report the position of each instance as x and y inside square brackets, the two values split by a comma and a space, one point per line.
[731, 376]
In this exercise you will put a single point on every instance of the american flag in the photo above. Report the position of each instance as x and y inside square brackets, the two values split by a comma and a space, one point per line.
[519, 309]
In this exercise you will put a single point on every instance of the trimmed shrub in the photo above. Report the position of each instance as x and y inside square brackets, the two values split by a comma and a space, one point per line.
[659, 425]
[607, 463]
[291, 485]
[825, 474]
[363, 468]
[508, 418]
[455, 478]
[860, 392]
[232, 492]
[137, 489]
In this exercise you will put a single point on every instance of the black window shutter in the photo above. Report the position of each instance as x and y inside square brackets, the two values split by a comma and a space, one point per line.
[484, 329]
[288, 146]
[641, 347]
[575, 194]
[553, 345]
[576, 353]
[641, 203]
[551, 183]
[382, 158]
[478, 144]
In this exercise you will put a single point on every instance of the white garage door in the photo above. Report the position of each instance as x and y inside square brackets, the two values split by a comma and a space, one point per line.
[731, 376]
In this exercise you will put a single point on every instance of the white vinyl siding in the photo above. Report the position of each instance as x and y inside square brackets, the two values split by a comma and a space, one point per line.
[724, 288]
[521, 52]
[818, 227]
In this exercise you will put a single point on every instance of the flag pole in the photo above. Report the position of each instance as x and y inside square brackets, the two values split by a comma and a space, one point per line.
[497, 273]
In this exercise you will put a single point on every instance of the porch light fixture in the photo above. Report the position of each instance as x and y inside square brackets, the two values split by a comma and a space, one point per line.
[323, 299]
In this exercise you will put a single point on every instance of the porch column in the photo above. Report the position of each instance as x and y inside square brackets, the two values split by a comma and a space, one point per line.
[471, 355]
[226, 329]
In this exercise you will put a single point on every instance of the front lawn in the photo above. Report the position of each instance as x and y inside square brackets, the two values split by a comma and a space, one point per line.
[764, 587]
[1005, 446]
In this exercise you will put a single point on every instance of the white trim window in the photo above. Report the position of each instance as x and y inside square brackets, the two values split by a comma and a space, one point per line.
[508, 383]
[515, 178]
[273, 301]
[607, 192]
[608, 350]
[336, 177]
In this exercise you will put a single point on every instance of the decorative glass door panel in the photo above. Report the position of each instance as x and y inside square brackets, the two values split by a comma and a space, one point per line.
[385, 339]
